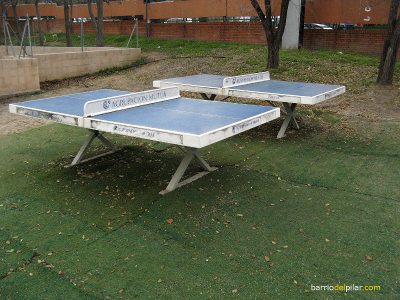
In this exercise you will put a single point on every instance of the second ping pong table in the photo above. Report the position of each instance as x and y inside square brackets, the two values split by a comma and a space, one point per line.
[257, 86]
[158, 115]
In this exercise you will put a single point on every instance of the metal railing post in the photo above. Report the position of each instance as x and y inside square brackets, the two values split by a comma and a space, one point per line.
[29, 33]
[137, 33]
[82, 36]
[147, 18]
[22, 47]
[5, 33]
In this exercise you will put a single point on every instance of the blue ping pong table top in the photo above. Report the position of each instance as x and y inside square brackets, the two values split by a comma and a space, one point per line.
[268, 86]
[181, 115]
[70, 104]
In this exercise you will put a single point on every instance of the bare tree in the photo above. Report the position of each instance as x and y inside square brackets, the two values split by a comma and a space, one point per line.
[39, 22]
[391, 46]
[97, 22]
[68, 21]
[273, 35]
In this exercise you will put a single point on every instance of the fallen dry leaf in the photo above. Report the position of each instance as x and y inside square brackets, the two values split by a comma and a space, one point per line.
[369, 258]
[170, 221]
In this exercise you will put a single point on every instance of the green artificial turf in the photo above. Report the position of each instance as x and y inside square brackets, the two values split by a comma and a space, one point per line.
[278, 216]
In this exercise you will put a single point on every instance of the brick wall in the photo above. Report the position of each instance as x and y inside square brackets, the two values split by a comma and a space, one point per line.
[244, 32]
[317, 11]
[359, 40]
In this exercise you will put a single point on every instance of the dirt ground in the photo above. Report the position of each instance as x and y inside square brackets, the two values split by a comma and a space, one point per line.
[374, 103]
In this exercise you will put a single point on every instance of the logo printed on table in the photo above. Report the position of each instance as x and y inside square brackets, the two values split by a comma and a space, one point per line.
[106, 104]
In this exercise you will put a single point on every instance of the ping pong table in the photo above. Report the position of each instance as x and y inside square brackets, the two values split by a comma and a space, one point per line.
[256, 86]
[157, 115]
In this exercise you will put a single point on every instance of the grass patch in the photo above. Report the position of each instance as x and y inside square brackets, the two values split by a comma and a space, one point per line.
[316, 205]
[355, 70]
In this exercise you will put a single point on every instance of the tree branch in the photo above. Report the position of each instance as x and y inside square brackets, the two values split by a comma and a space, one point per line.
[94, 21]
[268, 17]
[282, 21]
[260, 13]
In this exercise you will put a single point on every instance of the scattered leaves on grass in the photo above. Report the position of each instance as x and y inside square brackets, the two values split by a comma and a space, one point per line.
[268, 261]
[50, 266]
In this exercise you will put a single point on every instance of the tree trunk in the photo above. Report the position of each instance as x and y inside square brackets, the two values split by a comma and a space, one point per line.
[302, 17]
[67, 21]
[97, 23]
[389, 58]
[273, 55]
[92, 18]
[3, 10]
[274, 35]
[14, 4]
[100, 25]
[71, 16]
[39, 22]
[391, 46]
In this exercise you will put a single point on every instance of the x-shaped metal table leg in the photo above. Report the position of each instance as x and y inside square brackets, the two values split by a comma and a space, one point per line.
[206, 97]
[86, 145]
[290, 109]
[175, 182]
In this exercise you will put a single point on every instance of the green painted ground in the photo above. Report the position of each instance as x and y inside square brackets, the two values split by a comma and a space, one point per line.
[278, 216]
